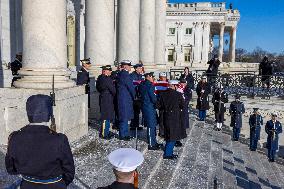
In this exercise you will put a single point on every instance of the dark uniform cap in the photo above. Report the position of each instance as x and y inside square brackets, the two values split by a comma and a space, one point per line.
[107, 67]
[125, 62]
[151, 74]
[39, 108]
[86, 61]
[138, 66]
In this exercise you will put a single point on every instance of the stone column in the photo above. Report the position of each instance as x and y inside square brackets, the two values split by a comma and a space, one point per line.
[100, 32]
[206, 42]
[221, 41]
[232, 50]
[128, 30]
[160, 30]
[197, 42]
[44, 45]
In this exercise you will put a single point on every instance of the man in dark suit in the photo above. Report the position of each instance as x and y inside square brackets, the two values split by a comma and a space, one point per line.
[125, 97]
[106, 88]
[202, 90]
[83, 77]
[15, 67]
[42, 156]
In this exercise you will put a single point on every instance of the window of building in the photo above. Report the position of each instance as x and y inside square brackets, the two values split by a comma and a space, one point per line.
[188, 31]
[170, 55]
[186, 54]
[172, 31]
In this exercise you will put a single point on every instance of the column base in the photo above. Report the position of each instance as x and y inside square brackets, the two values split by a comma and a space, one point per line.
[42, 79]
[71, 111]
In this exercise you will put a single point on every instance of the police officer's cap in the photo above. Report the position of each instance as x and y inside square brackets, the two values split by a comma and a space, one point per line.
[163, 74]
[107, 67]
[86, 61]
[39, 108]
[151, 74]
[173, 82]
[125, 62]
[125, 159]
[138, 66]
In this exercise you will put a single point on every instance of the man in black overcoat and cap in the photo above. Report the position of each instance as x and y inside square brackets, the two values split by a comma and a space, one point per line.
[42, 156]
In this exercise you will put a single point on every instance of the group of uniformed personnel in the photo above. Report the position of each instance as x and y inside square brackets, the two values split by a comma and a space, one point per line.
[44, 158]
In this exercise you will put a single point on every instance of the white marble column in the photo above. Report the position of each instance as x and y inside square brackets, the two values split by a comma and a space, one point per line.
[44, 45]
[100, 32]
[232, 50]
[221, 41]
[160, 30]
[197, 42]
[147, 31]
[128, 30]
[206, 42]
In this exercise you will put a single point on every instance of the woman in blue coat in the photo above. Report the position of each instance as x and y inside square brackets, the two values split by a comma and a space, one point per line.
[255, 123]
[273, 128]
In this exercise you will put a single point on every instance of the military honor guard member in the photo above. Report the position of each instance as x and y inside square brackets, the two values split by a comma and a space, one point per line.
[83, 77]
[125, 162]
[173, 118]
[149, 100]
[125, 97]
[42, 156]
[15, 67]
[202, 90]
[137, 76]
[107, 90]
[273, 128]
[220, 97]
[237, 109]
[255, 123]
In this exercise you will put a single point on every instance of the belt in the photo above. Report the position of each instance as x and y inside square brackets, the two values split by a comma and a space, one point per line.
[39, 181]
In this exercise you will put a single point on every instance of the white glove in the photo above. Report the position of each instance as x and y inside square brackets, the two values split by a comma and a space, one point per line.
[202, 91]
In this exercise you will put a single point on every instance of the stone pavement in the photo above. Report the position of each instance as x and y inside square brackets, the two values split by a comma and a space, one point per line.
[207, 157]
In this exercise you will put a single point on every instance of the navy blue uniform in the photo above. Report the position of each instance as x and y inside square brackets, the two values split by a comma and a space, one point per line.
[15, 67]
[255, 123]
[137, 102]
[236, 110]
[119, 185]
[149, 100]
[36, 151]
[106, 88]
[202, 100]
[273, 129]
[125, 97]
[219, 99]
[83, 78]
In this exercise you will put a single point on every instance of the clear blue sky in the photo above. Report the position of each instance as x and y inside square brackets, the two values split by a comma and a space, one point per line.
[261, 24]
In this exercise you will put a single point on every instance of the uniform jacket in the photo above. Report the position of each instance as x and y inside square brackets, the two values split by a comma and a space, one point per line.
[255, 123]
[172, 104]
[135, 76]
[125, 95]
[105, 86]
[15, 67]
[38, 152]
[202, 100]
[83, 78]
[149, 100]
[272, 141]
[236, 110]
[219, 101]
[119, 185]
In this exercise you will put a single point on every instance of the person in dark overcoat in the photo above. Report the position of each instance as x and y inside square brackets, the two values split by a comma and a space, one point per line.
[113, 76]
[149, 100]
[173, 118]
[83, 77]
[202, 90]
[255, 123]
[15, 67]
[42, 156]
[137, 76]
[237, 109]
[212, 70]
[187, 95]
[220, 97]
[187, 75]
[125, 96]
[105, 86]
[273, 128]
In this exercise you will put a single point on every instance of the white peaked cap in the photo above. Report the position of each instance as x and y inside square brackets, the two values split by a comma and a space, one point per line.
[173, 82]
[125, 159]
[163, 74]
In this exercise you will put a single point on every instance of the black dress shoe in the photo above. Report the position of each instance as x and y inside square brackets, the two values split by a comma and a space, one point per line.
[178, 144]
[171, 157]
[271, 160]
